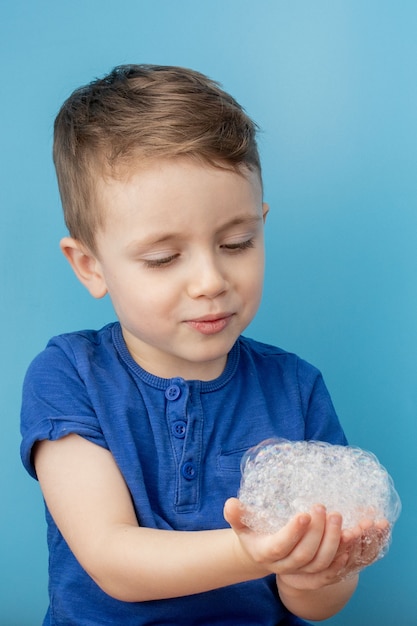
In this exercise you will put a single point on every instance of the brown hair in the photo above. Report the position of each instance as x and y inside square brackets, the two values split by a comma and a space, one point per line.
[143, 112]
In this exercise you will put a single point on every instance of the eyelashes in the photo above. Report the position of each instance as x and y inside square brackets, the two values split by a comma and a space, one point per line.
[232, 248]
[241, 245]
[155, 263]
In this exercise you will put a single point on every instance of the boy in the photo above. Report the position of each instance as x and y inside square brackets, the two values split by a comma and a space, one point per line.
[136, 431]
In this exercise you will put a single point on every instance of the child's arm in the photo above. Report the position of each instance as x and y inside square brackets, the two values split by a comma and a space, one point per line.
[92, 507]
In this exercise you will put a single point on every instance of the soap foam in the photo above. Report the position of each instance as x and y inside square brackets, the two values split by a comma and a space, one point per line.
[281, 478]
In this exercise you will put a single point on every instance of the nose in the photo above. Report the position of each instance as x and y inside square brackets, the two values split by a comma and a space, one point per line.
[207, 278]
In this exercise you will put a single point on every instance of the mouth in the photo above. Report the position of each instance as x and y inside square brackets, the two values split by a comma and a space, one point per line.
[211, 324]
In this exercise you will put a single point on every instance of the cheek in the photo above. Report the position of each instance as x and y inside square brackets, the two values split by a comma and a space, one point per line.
[253, 273]
[258, 281]
[153, 296]
[125, 294]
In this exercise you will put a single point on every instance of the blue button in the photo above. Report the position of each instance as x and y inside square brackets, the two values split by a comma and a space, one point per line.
[173, 392]
[178, 429]
[188, 470]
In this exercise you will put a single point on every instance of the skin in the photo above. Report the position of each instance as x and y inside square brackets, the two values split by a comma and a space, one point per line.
[190, 237]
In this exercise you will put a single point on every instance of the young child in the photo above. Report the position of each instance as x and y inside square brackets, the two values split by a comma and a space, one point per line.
[136, 431]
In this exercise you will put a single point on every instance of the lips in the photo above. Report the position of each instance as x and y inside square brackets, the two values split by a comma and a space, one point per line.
[211, 324]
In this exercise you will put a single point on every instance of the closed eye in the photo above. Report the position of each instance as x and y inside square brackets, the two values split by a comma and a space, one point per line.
[238, 246]
[155, 263]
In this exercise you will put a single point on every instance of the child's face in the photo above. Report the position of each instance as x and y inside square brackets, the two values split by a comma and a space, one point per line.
[182, 258]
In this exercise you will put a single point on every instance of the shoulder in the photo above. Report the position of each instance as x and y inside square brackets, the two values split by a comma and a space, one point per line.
[59, 386]
[294, 387]
[74, 348]
[83, 340]
[71, 362]
[267, 356]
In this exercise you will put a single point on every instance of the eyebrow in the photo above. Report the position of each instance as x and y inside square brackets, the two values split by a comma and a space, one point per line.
[169, 236]
[237, 221]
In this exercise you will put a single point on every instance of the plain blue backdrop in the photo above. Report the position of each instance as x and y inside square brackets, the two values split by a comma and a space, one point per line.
[333, 87]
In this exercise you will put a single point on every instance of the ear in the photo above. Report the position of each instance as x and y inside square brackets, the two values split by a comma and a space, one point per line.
[265, 211]
[86, 266]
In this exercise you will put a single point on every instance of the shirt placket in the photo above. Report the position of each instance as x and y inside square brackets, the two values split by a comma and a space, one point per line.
[185, 424]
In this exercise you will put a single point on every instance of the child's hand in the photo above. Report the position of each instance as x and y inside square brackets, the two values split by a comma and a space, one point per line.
[311, 551]
[307, 546]
[358, 548]
[365, 543]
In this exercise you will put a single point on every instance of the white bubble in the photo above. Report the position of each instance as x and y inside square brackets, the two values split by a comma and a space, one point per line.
[281, 478]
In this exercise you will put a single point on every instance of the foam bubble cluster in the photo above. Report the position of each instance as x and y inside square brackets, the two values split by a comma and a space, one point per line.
[282, 478]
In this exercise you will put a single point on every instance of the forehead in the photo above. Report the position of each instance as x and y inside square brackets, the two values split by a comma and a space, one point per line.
[147, 184]
[123, 170]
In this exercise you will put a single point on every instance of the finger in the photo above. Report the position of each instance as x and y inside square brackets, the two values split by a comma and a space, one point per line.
[287, 539]
[353, 542]
[366, 543]
[373, 541]
[233, 512]
[265, 548]
[329, 548]
[324, 544]
[305, 550]
[276, 547]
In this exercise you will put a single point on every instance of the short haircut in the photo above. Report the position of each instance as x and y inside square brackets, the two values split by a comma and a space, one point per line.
[141, 113]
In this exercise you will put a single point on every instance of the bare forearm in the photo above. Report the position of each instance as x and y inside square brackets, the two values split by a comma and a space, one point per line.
[138, 564]
[317, 604]
[91, 505]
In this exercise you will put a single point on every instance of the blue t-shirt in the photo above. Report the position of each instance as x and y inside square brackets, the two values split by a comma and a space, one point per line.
[178, 445]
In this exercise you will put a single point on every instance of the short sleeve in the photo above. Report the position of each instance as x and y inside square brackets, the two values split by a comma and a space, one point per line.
[55, 403]
[321, 421]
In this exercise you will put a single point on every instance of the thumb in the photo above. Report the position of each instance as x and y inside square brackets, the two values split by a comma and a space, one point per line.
[233, 511]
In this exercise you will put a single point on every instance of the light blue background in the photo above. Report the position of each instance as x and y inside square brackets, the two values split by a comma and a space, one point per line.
[333, 86]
